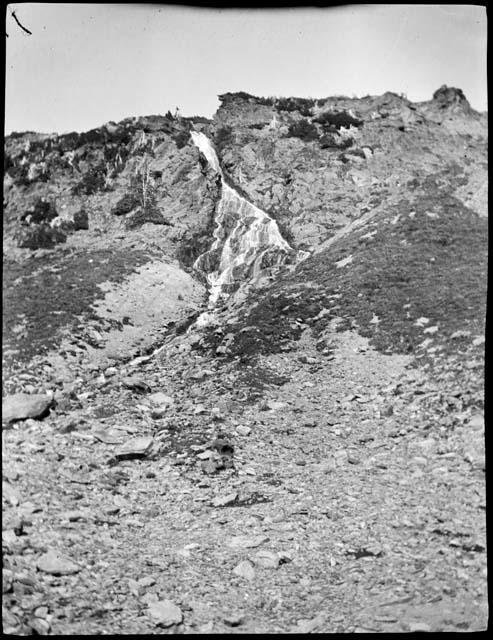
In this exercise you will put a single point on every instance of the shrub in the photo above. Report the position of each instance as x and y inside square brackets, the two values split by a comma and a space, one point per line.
[40, 236]
[333, 121]
[141, 198]
[223, 137]
[92, 181]
[126, 204]
[42, 211]
[181, 138]
[81, 220]
[303, 130]
[303, 105]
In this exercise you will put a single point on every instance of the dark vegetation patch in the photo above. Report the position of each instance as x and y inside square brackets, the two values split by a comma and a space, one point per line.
[239, 96]
[304, 130]
[302, 105]
[39, 236]
[308, 132]
[194, 244]
[140, 200]
[42, 210]
[44, 294]
[331, 121]
[127, 203]
[223, 137]
[181, 138]
[92, 181]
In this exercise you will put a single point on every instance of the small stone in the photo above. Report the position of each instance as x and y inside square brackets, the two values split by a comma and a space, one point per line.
[149, 597]
[205, 455]
[216, 414]
[159, 398]
[267, 559]
[133, 586]
[246, 542]
[243, 430]
[136, 384]
[274, 405]
[309, 626]
[199, 409]
[245, 570]
[56, 564]
[165, 613]
[135, 448]
[476, 422]
[23, 405]
[7, 579]
[433, 329]
[460, 334]
[417, 627]
[73, 516]
[40, 626]
[310, 424]
[110, 371]
[41, 612]
[209, 466]
[9, 538]
[387, 410]
[147, 581]
[109, 435]
[223, 501]
[233, 620]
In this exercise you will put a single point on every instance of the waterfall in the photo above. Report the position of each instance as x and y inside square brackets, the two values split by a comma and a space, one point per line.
[246, 242]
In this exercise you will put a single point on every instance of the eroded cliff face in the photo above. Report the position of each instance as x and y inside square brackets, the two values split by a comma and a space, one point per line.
[109, 181]
[313, 165]
[315, 175]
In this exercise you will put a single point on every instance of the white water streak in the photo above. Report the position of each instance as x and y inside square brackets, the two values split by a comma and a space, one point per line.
[253, 235]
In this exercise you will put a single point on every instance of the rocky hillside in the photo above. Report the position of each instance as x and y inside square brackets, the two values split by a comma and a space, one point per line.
[308, 458]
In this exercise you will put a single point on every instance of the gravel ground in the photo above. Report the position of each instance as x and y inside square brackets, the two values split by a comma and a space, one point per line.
[343, 500]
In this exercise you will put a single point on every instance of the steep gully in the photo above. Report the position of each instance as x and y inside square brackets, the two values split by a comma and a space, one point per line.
[247, 240]
[247, 243]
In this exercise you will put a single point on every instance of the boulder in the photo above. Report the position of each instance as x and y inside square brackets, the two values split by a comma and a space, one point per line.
[21, 406]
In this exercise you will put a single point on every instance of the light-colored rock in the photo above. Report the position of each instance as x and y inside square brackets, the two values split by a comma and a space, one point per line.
[165, 613]
[223, 501]
[233, 620]
[246, 542]
[160, 399]
[23, 405]
[242, 430]
[56, 564]
[416, 627]
[309, 626]
[136, 383]
[245, 570]
[476, 422]
[135, 448]
[267, 559]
